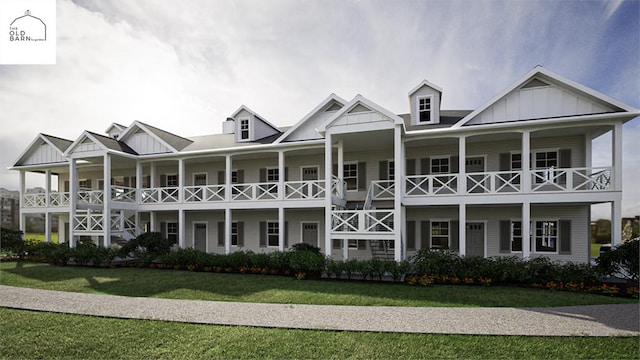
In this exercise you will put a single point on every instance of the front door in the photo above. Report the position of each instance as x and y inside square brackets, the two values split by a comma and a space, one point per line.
[200, 236]
[310, 233]
[310, 174]
[475, 184]
[475, 239]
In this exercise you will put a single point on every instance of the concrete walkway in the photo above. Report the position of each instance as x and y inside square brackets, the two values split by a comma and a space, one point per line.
[594, 320]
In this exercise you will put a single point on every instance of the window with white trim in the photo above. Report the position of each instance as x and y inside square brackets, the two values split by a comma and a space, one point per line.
[244, 129]
[351, 175]
[273, 233]
[425, 109]
[546, 160]
[272, 175]
[234, 233]
[516, 236]
[172, 180]
[546, 236]
[234, 177]
[440, 165]
[391, 170]
[516, 161]
[357, 244]
[83, 184]
[440, 234]
[200, 179]
[172, 232]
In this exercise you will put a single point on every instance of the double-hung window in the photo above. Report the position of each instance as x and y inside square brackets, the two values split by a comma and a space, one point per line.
[272, 233]
[546, 236]
[351, 175]
[172, 180]
[172, 232]
[440, 165]
[440, 234]
[516, 236]
[391, 171]
[545, 163]
[244, 129]
[425, 109]
[234, 234]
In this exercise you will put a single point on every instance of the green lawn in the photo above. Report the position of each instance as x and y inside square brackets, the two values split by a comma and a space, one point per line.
[40, 237]
[30, 335]
[277, 289]
[595, 249]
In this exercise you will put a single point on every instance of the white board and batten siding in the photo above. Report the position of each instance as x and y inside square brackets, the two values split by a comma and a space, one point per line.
[307, 130]
[360, 118]
[87, 145]
[144, 143]
[44, 154]
[539, 102]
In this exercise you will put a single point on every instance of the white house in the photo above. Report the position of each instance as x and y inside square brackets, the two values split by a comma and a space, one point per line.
[351, 177]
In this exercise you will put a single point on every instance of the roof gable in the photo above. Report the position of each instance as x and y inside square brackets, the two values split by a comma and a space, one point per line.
[361, 112]
[147, 139]
[92, 143]
[306, 128]
[542, 94]
[423, 84]
[258, 127]
[44, 149]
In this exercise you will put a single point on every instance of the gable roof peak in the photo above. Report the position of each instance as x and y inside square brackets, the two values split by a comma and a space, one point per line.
[425, 83]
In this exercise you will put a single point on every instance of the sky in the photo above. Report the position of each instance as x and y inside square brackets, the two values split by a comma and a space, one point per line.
[186, 66]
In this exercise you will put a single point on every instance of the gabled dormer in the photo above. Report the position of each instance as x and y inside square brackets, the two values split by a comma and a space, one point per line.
[425, 100]
[249, 126]
[115, 130]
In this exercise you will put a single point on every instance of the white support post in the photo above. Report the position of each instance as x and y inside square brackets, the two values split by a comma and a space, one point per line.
[281, 229]
[616, 222]
[152, 175]
[616, 153]
[462, 229]
[587, 150]
[526, 229]
[526, 163]
[138, 184]
[281, 175]
[398, 159]
[106, 199]
[341, 167]
[153, 221]
[47, 227]
[345, 249]
[462, 168]
[182, 229]
[181, 182]
[403, 217]
[227, 230]
[47, 189]
[328, 177]
[73, 200]
[227, 178]
[23, 189]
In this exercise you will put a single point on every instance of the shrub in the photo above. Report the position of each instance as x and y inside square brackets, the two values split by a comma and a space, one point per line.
[443, 262]
[146, 247]
[307, 261]
[57, 254]
[305, 247]
[623, 260]
[11, 239]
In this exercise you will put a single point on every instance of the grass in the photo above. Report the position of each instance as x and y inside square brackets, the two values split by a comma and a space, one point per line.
[75, 336]
[595, 249]
[277, 289]
[41, 237]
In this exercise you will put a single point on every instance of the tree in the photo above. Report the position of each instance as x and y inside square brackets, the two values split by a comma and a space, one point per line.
[11, 239]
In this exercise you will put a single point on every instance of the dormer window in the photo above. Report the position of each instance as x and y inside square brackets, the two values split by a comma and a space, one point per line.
[244, 129]
[425, 109]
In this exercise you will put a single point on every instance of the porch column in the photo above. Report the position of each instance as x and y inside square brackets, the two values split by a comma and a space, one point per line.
[227, 179]
[587, 150]
[328, 181]
[345, 249]
[182, 229]
[153, 221]
[281, 175]
[462, 169]
[403, 224]
[152, 175]
[47, 188]
[398, 160]
[73, 199]
[616, 153]
[526, 163]
[462, 229]
[181, 182]
[526, 229]
[106, 200]
[341, 166]
[47, 226]
[23, 224]
[138, 183]
[616, 222]
[281, 229]
[227, 230]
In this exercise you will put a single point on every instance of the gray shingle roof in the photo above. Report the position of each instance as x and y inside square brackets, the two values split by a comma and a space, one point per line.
[60, 143]
[113, 144]
[175, 141]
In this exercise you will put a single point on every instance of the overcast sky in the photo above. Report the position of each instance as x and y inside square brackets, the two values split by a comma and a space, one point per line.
[185, 66]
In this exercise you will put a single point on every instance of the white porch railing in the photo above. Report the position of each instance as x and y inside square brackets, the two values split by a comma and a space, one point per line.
[362, 221]
[59, 199]
[426, 185]
[254, 191]
[34, 200]
[205, 193]
[571, 179]
[338, 188]
[494, 182]
[309, 189]
[159, 195]
[123, 194]
[92, 197]
[383, 190]
[88, 222]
